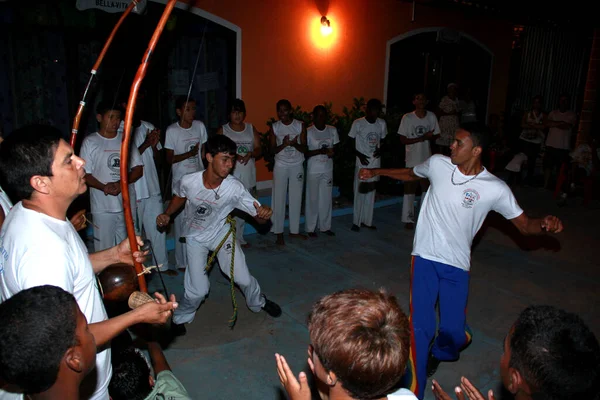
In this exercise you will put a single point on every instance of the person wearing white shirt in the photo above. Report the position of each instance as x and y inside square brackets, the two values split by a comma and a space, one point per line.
[41, 247]
[367, 133]
[184, 143]
[247, 139]
[461, 195]
[209, 197]
[321, 139]
[102, 153]
[288, 143]
[360, 343]
[416, 131]
[558, 143]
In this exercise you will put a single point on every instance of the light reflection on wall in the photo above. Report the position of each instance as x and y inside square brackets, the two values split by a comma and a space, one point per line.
[322, 37]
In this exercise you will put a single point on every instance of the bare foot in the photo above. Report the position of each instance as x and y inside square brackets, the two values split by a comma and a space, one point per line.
[280, 241]
[298, 236]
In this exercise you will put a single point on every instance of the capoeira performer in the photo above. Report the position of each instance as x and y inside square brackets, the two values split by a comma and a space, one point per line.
[288, 143]
[462, 193]
[321, 139]
[367, 133]
[247, 139]
[416, 131]
[184, 144]
[209, 196]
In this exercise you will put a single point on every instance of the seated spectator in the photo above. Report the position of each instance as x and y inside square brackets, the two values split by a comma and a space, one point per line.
[583, 165]
[548, 354]
[359, 348]
[46, 348]
[131, 379]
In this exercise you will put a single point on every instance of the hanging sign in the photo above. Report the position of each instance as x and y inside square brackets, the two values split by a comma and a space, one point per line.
[111, 6]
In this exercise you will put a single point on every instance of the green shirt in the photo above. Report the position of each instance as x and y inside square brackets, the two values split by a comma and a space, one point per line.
[167, 387]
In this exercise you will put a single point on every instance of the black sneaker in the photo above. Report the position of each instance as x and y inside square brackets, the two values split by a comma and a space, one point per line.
[355, 228]
[178, 329]
[271, 308]
[432, 365]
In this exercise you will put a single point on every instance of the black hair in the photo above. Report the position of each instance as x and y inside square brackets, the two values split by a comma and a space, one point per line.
[283, 102]
[556, 353]
[27, 152]
[220, 144]
[319, 107]
[130, 377]
[537, 97]
[238, 105]
[104, 106]
[180, 102]
[480, 134]
[38, 327]
[418, 94]
[374, 104]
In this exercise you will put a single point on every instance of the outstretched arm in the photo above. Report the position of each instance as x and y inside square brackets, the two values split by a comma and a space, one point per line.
[536, 226]
[401, 174]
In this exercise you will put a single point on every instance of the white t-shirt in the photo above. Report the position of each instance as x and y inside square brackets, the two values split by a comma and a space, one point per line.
[5, 202]
[413, 127]
[402, 394]
[181, 140]
[148, 185]
[288, 157]
[452, 214]
[204, 215]
[40, 250]
[103, 160]
[368, 138]
[245, 144]
[325, 139]
[560, 138]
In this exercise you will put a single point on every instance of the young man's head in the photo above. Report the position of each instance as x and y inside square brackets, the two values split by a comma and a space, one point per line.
[536, 103]
[185, 108]
[563, 102]
[109, 117]
[551, 354]
[131, 378]
[221, 153]
[359, 341]
[470, 140]
[284, 110]
[452, 89]
[237, 113]
[35, 160]
[420, 101]
[319, 116]
[373, 110]
[45, 342]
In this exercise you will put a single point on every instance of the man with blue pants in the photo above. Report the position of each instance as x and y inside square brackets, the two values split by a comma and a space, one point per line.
[462, 193]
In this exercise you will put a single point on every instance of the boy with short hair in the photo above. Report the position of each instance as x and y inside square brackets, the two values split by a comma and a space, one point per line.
[183, 141]
[102, 154]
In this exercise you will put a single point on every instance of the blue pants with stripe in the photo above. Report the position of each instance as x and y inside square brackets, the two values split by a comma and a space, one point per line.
[432, 281]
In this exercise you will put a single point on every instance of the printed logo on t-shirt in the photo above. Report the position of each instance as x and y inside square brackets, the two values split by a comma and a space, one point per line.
[228, 247]
[373, 139]
[114, 162]
[324, 144]
[300, 176]
[420, 130]
[242, 150]
[470, 197]
[203, 211]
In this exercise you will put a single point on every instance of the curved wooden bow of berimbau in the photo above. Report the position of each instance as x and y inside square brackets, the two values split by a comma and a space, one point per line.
[135, 86]
[77, 119]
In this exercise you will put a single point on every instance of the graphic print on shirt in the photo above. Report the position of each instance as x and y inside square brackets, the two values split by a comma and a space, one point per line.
[420, 130]
[242, 149]
[470, 197]
[373, 140]
[325, 144]
[203, 211]
[113, 162]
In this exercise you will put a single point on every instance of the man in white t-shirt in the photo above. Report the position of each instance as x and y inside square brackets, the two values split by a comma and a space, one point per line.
[102, 154]
[184, 143]
[41, 247]
[461, 195]
[209, 196]
[416, 131]
[360, 341]
[367, 133]
[321, 139]
[558, 143]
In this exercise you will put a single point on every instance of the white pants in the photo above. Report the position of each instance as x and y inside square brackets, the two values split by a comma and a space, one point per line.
[196, 281]
[363, 202]
[318, 201]
[109, 230]
[147, 211]
[282, 176]
[181, 258]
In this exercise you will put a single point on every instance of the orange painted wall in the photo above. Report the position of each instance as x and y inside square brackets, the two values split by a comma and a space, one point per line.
[281, 59]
